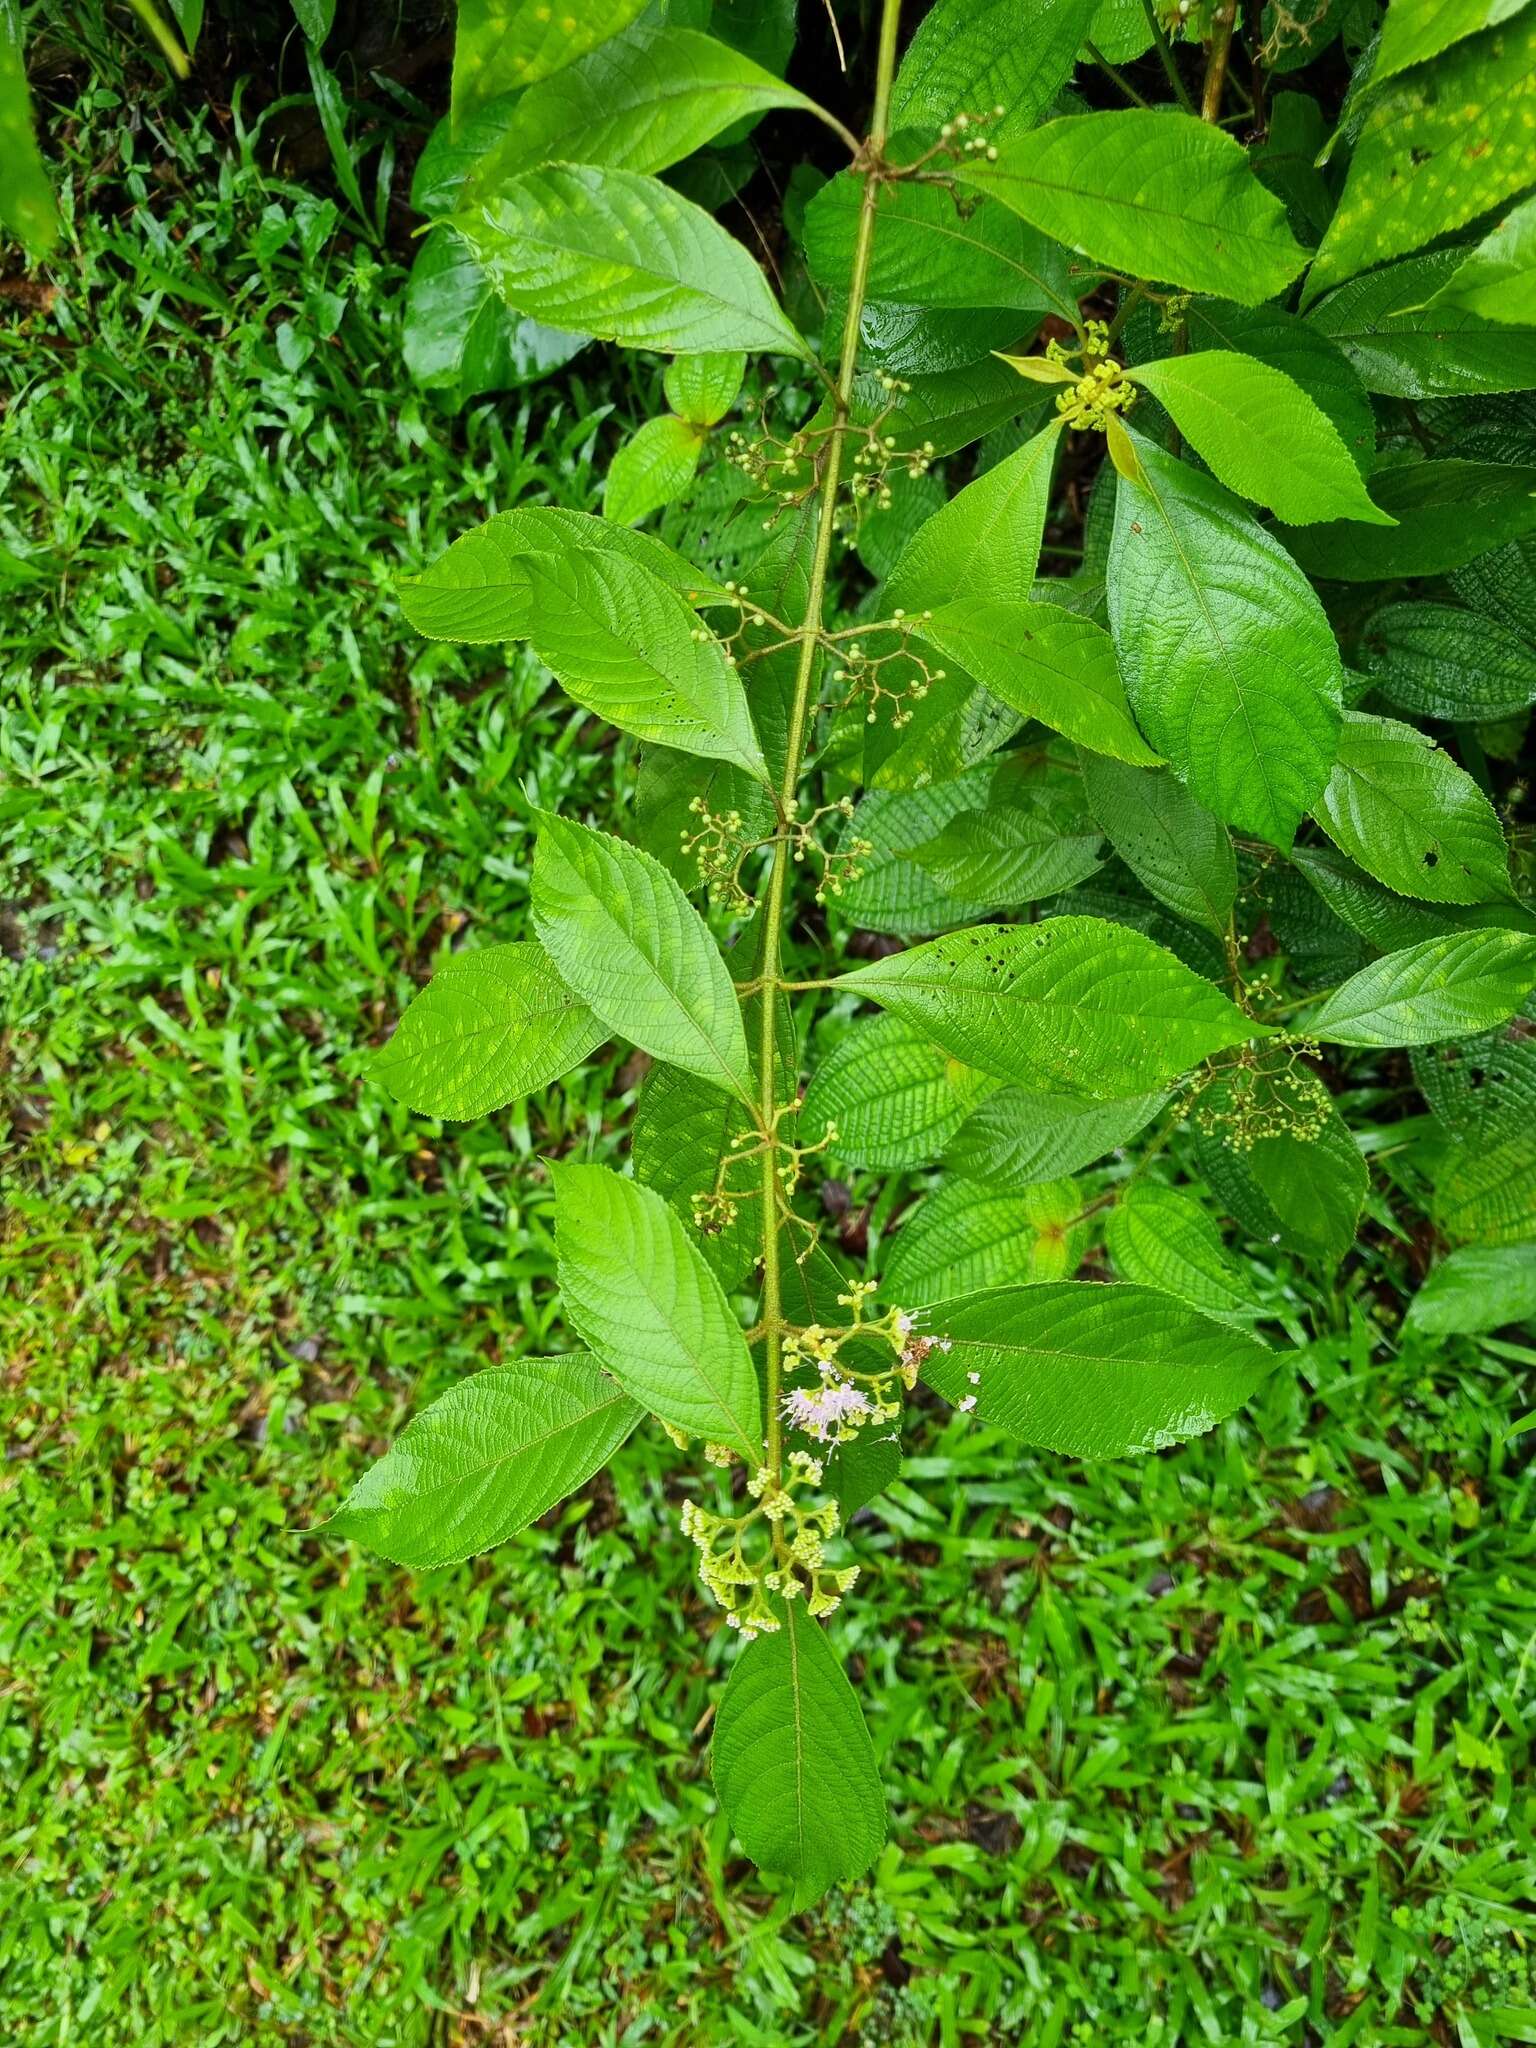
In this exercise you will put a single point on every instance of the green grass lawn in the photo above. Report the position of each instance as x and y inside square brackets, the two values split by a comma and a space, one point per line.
[1226, 1746]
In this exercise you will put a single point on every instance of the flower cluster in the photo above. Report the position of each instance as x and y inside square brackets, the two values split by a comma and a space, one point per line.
[1101, 389]
[740, 1570]
[839, 864]
[866, 675]
[1263, 1091]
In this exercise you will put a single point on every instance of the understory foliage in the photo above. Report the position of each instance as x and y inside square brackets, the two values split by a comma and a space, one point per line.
[1093, 882]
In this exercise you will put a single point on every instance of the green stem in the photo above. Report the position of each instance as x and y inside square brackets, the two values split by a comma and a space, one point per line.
[1114, 76]
[1165, 52]
[771, 1314]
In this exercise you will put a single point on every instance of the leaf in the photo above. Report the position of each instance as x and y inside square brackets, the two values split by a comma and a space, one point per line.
[682, 1130]
[1409, 816]
[479, 589]
[969, 56]
[1227, 657]
[937, 414]
[504, 43]
[654, 466]
[1301, 1182]
[315, 17]
[452, 152]
[640, 102]
[486, 1459]
[1447, 987]
[1072, 1004]
[1158, 194]
[927, 252]
[1389, 921]
[1007, 857]
[1312, 359]
[966, 1236]
[986, 541]
[702, 389]
[1483, 1089]
[1481, 1288]
[1404, 347]
[1437, 147]
[627, 647]
[458, 335]
[894, 1098]
[1488, 1193]
[793, 1764]
[862, 1469]
[893, 893]
[1497, 279]
[1440, 662]
[26, 197]
[650, 1311]
[1015, 1139]
[625, 938]
[1172, 844]
[622, 256]
[490, 1026]
[1416, 30]
[1045, 662]
[1092, 1371]
[1163, 1239]
[1448, 513]
[1261, 434]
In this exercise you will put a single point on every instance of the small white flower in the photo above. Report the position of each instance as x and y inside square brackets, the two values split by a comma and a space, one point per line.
[974, 1378]
[967, 1404]
[818, 1410]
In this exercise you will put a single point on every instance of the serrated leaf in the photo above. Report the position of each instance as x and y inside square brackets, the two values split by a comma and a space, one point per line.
[793, 1764]
[500, 44]
[1497, 279]
[1447, 987]
[1310, 358]
[1483, 1089]
[969, 56]
[1447, 512]
[893, 1096]
[1488, 1193]
[894, 894]
[1390, 921]
[490, 1026]
[1438, 661]
[703, 388]
[1092, 1371]
[1072, 1004]
[1406, 347]
[654, 466]
[1171, 843]
[1477, 1289]
[1261, 435]
[862, 1469]
[624, 257]
[941, 413]
[1005, 857]
[682, 1130]
[1158, 194]
[622, 644]
[1409, 816]
[1016, 1139]
[1045, 662]
[1227, 657]
[1163, 1239]
[966, 1236]
[1303, 1183]
[1438, 146]
[486, 1459]
[1416, 30]
[459, 336]
[479, 590]
[625, 938]
[648, 1308]
[640, 102]
[986, 541]
[928, 252]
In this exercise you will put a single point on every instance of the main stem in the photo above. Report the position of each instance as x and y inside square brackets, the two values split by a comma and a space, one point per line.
[772, 1313]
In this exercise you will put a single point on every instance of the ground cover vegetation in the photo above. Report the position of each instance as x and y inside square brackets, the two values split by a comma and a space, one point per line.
[1223, 1744]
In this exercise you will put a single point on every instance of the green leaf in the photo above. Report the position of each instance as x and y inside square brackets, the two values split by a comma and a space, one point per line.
[459, 336]
[966, 1236]
[702, 388]
[1416, 30]
[1301, 1182]
[1437, 147]
[1161, 195]
[1016, 1139]
[894, 1098]
[1261, 434]
[1448, 513]
[624, 257]
[1447, 987]
[1310, 358]
[1072, 1004]
[1482, 1090]
[1172, 844]
[26, 197]
[486, 1459]
[1045, 662]
[1390, 921]
[650, 1311]
[1487, 1193]
[862, 1469]
[1004, 857]
[1163, 1239]
[938, 414]
[1092, 1371]
[682, 1130]
[315, 17]
[480, 590]
[1497, 280]
[969, 56]
[1405, 347]
[927, 252]
[793, 1764]
[893, 893]
[1440, 662]
[1409, 816]
[622, 934]
[641, 102]
[1478, 1289]
[986, 541]
[623, 645]
[655, 465]
[490, 1026]
[504, 43]
[1227, 657]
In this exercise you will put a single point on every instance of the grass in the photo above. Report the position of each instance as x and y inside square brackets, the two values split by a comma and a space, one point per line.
[1226, 1746]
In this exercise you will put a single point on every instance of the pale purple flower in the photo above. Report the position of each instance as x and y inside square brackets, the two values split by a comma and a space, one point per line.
[819, 1410]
